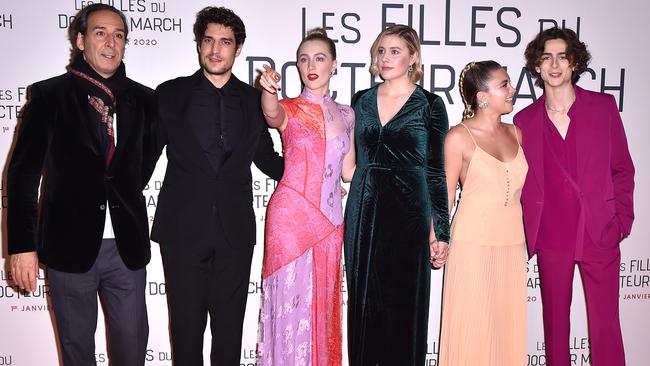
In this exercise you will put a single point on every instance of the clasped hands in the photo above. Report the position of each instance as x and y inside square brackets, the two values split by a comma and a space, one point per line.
[438, 252]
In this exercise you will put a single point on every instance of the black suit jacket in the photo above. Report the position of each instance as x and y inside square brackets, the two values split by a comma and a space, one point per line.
[192, 191]
[58, 141]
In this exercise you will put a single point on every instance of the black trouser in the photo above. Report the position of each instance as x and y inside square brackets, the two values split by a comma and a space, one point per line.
[206, 277]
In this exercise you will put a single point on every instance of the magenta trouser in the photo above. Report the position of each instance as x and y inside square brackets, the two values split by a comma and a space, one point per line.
[599, 269]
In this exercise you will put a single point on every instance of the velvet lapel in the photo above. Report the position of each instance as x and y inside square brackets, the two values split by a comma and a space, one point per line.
[126, 117]
[80, 99]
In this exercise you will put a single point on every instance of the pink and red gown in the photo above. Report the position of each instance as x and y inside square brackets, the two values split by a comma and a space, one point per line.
[300, 318]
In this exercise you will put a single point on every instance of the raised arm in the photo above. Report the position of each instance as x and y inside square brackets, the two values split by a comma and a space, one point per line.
[271, 107]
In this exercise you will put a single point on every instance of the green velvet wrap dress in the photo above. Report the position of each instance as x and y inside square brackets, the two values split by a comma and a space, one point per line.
[398, 188]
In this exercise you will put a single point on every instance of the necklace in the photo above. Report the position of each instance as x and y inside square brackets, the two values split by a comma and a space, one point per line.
[560, 110]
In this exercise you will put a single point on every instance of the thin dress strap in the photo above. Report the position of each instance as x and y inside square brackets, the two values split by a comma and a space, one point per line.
[470, 133]
[516, 134]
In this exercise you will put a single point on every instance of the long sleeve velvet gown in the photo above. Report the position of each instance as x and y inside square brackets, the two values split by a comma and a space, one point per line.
[398, 187]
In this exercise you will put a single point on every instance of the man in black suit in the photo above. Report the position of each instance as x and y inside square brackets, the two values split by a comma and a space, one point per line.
[84, 134]
[213, 128]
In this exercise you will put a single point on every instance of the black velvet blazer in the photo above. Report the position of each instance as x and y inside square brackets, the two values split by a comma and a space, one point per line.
[192, 191]
[58, 141]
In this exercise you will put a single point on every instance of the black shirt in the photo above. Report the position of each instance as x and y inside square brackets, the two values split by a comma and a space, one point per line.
[216, 116]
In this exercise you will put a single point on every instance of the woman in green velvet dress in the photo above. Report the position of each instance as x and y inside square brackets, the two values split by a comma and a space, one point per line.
[397, 223]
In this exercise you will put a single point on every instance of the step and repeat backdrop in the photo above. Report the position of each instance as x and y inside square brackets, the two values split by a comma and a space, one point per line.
[33, 47]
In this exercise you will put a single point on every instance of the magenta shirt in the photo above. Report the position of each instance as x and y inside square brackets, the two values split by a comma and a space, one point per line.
[559, 220]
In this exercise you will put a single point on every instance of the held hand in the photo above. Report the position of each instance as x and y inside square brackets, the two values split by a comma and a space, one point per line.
[439, 252]
[24, 267]
[269, 80]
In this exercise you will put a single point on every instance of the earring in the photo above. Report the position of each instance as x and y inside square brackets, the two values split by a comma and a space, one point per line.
[410, 69]
[333, 72]
[483, 104]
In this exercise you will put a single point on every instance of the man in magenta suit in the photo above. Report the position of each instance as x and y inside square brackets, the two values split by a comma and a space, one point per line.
[578, 195]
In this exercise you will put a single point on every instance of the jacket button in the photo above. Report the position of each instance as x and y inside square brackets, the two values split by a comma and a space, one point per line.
[102, 207]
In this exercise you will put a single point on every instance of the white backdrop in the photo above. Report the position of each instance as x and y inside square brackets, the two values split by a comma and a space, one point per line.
[34, 47]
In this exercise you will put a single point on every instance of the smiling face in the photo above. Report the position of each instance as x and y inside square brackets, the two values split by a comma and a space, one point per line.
[104, 42]
[393, 57]
[217, 51]
[315, 65]
[555, 68]
[500, 92]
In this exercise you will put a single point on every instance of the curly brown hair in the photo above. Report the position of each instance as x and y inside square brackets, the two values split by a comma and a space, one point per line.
[576, 52]
[222, 16]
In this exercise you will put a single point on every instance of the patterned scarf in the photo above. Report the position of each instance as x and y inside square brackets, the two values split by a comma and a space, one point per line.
[101, 96]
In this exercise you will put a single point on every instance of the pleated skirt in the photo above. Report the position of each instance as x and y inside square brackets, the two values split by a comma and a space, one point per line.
[484, 306]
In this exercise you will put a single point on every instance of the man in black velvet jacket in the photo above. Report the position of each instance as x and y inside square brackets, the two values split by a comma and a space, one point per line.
[83, 133]
[213, 128]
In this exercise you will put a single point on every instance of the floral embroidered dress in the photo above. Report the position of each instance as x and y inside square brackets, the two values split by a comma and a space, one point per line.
[300, 319]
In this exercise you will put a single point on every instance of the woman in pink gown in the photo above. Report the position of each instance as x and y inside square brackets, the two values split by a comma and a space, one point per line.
[300, 319]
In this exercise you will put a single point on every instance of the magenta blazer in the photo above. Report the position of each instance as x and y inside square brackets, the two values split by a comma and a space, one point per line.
[605, 171]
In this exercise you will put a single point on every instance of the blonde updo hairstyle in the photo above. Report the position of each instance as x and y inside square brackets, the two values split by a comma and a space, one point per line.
[412, 41]
[319, 34]
[473, 79]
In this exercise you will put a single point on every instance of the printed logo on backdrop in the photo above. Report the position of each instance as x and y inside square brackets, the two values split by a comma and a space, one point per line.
[158, 355]
[432, 354]
[635, 279]
[579, 348]
[248, 357]
[101, 358]
[155, 288]
[20, 301]
[150, 193]
[6, 359]
[262, 190]
[532, 283]
[145, 18]
[12, 99]
[6, 22]
[344, 27]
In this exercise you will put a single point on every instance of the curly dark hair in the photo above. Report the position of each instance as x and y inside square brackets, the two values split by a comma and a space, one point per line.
[80, 25]
[576, 52]
[219, 15]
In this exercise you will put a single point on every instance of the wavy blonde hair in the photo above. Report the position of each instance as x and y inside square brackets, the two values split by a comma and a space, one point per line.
[412, 41]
